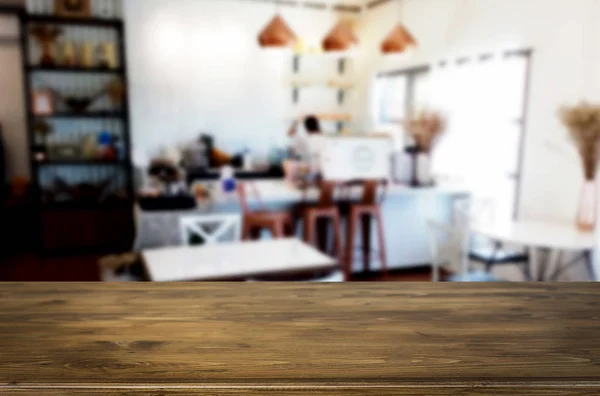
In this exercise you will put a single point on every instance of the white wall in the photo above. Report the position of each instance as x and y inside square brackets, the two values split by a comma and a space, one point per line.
[195, 66]
[12, 112]
[564, 70]
[374, 26]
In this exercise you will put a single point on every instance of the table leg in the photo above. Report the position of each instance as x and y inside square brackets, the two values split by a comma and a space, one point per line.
[559, 261]
[527, 265]
[543, 264]
[589, 262]
[586, 256]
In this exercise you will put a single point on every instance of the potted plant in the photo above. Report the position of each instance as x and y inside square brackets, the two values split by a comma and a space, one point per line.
[583, 123]
[425, 129]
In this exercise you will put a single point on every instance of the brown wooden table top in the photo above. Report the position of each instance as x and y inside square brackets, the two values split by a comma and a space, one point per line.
[299, 339]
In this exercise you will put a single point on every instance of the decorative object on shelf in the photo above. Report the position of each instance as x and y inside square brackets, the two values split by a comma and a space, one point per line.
[583, 123]
[42, 130]
[107, 148]
[89, 146]
[80, 193]
[64, 151]
[166, 177]
[107, 55]
[399, 41]
[46, 37]
[227, 180]
[79, 105]
[116, 92]
[340, 38]
[277, 34]
[39, 153]
[106, 9]
[86, 58]
[425, 129]
[42, 102]
[72, 8]
[68, 54]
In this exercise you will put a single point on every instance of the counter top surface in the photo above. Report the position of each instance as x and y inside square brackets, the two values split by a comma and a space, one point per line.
[380, 339]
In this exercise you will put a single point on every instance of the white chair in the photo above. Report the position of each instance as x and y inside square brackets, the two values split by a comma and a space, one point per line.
[449, 250]
[210, 229]
[482, 211]
[214, 229]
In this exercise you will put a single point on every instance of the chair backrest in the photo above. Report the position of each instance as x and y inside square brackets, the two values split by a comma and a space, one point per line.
[327, 193]
[370, 190]
[474, 211]
[211, 229]
[449, 248]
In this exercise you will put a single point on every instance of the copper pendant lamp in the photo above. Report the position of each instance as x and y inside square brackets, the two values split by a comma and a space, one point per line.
[340, 38]
[277, 34]
[398, 41]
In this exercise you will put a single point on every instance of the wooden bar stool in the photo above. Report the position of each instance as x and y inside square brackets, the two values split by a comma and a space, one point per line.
[280, 224]
[317, 218]
[360, 216]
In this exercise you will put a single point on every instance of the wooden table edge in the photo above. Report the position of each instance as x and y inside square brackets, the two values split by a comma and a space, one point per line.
[424, 384]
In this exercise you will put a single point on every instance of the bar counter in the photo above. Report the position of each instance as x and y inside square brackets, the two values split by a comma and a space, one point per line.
[405, 210]
[299, 339]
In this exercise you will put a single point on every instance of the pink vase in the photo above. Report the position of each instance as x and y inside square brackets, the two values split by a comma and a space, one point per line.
[587, 212]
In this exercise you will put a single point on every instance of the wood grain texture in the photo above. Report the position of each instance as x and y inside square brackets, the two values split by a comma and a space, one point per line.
[396, 391]
[389, 339]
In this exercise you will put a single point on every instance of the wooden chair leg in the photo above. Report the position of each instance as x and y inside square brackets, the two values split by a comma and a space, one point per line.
[278, 230]
[308, 229]
[322, 225]
[353, 219]
[337, 238]
[365, 221]
[381, 241]
[246, 231]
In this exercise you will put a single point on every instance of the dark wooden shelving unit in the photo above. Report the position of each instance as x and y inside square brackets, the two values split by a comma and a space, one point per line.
[86, 22]
[69, 207]
[80, 162]
[94, 114]
[105, 225]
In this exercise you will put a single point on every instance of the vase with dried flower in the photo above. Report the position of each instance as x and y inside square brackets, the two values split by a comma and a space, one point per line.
[583, 123]
[425, 129]
[46, 37]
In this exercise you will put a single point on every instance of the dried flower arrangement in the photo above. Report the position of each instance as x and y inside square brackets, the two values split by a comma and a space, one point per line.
[426, 128]
[583, 122]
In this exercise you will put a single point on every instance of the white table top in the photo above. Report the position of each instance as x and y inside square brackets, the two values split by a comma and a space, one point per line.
[233, 260]
[539, 234]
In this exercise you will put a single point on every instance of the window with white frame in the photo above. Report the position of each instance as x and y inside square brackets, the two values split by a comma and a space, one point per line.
[484, 99]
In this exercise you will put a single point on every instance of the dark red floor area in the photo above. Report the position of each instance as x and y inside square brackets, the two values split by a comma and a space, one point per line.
[31, 268]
